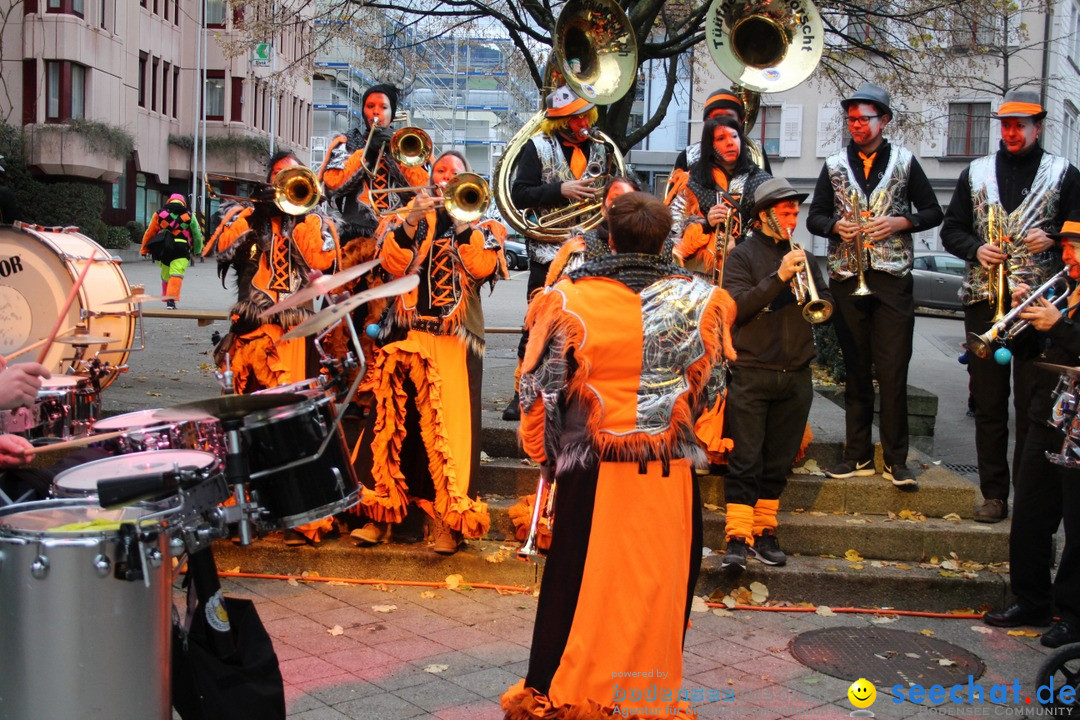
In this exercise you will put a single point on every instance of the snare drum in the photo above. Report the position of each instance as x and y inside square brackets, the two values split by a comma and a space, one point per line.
[42, 265]
[1065, 405]
[290, 485]
[75, 641]
[66, 407]
[81, 481]
[310, 388]
[145, 432]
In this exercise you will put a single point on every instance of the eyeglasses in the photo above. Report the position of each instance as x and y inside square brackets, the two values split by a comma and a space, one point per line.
[864, 120]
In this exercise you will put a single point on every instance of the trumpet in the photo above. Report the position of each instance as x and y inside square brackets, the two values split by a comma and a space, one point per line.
[466, 197]
[997, 286]
[859, 218]
[815, 310]
[723, 240]
[1010, 325]
[296, 189]
[545, 510]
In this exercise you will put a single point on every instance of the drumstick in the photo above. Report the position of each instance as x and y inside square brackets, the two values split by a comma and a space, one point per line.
[67, 306]
[77, 442]
[5, 359]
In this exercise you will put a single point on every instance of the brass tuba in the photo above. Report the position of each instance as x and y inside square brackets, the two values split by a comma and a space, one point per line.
[599, 36]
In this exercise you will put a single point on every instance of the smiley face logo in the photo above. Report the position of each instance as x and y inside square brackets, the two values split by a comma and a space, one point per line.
[862, 693]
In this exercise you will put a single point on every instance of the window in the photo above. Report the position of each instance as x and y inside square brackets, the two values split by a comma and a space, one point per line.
[154, 83]
[969, 129]
[65, 90]
[236, 111]
[974, 30]
[66, 7]
[767, 132]
[215, 94]
[165, 88]
[142, 79]
[103, 23]
[1070, 127]
[175, 91]
[921, 263]
[866, 28]
[950, 265]
[165, 9]
[215, 13]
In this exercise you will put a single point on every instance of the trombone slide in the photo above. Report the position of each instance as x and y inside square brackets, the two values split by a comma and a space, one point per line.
[541, 508]
[1010, 325]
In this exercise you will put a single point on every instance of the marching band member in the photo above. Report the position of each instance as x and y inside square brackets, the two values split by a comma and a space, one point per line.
[551, 173]
[875, 331]
[770, 389]
[620, 440]
[273, 254]
[593, 243]
[722, 181]
[723, 102]
[181, 238]
[357, 163]
[426, 425]
[1034, 191]
[1046, 493]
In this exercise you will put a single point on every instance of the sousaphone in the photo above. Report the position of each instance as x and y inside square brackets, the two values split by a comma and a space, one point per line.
[594, 52]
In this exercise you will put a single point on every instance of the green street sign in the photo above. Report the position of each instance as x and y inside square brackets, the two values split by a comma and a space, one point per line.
[263, 51]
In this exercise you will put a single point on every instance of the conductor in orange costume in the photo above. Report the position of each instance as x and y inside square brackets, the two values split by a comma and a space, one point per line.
[622, 354]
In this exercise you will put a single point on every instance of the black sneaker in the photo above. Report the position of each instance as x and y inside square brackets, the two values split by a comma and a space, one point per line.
[736, 553]
[513, 409]
[851, 468]
[767, 549]
[170, 304]
[901, 477]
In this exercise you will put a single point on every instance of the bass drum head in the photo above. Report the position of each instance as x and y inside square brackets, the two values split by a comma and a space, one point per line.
[38, 268]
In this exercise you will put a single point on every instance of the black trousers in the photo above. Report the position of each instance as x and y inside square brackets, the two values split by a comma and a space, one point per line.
[765, 416]
[1044, 494]
[537, 275]
[875, 334]
[990, 387]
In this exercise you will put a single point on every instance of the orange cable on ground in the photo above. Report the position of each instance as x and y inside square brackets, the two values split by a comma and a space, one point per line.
[529, 591]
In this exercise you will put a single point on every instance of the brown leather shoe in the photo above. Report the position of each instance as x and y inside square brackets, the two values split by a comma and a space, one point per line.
[372, 534]
[446, 540]
[992, 511]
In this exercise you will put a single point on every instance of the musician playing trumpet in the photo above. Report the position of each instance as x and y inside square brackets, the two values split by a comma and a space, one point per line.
[711, 197]
[425, 431]
[770, 389]
[1015, 195]
[864, 203]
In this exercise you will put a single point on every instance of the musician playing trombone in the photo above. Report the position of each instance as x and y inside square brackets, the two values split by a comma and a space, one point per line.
[554, 170]
[865, 203]
[710, 200]
[1001, 211]
[425, 431]
[1046, 493]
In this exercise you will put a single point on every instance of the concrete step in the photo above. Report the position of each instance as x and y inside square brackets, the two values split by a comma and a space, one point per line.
[834, 582]
[940, 491]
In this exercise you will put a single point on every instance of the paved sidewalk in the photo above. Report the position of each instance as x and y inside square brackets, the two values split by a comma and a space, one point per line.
[450, 653]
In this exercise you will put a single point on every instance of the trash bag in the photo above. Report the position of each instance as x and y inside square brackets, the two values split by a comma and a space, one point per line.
[207, 687]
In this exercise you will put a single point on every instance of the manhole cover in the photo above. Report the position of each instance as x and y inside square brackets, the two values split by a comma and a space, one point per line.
[961, 468]
[885, 657]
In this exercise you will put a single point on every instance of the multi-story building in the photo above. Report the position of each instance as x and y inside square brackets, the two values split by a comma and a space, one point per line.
[135, 69]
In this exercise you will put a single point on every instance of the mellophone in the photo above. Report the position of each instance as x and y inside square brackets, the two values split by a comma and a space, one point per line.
[90, 571]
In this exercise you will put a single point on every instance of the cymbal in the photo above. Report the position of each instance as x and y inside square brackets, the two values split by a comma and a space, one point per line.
[227, 407]
[320, 286]
[136, 298]
[331, 314]
[80, 339]
[1060, 369]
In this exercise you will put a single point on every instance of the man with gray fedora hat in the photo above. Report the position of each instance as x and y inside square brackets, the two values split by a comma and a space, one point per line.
[770, 389]
[870, 197]
[1019, 194]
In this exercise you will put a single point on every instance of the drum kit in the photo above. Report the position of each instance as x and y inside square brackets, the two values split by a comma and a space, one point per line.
[1064, 415]
[90, 571]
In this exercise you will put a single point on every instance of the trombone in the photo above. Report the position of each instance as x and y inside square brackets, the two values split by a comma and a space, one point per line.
[587, 207]
[466, 197]
[815, 309]
[859, 218]
[1010, 325]
[411, 146]
[296, 189]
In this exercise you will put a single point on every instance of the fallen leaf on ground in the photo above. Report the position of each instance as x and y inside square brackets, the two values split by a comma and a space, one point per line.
[927, 633]
[883, 619]
[436, 668]
[1023, 633]
[498, 556]
[384, 608]
[339, 583]
[429, 595]
[824, 611]
[454, 581]
[945, 662]
[953, 516]
[335, 631]
[234, 570]
[721, 612]
[484, 458]
[698, 605]
[293, 581]
[982, 629]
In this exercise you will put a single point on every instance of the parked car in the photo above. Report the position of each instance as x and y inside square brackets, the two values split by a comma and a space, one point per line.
[516, 257]
[938, 277]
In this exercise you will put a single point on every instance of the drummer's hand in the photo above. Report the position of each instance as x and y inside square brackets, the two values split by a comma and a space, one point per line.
[1019, 293]
[579, 189]
[14, 451]
[989, 255]
[1042, 315]
[1037, 240]
[846, 229]
[19, 384]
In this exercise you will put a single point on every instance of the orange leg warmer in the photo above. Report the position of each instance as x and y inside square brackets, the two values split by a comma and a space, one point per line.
[173, 288]
[740, 522]
[765, 515]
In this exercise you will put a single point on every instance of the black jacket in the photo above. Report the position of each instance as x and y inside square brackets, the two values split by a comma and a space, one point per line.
[769, 331]
[528, 190]
[1061, 347]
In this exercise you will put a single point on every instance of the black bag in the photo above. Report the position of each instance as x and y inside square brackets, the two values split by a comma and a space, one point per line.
[206, 687]
[158, 245]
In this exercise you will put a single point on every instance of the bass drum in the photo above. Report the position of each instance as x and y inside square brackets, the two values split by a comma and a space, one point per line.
[38, 267]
